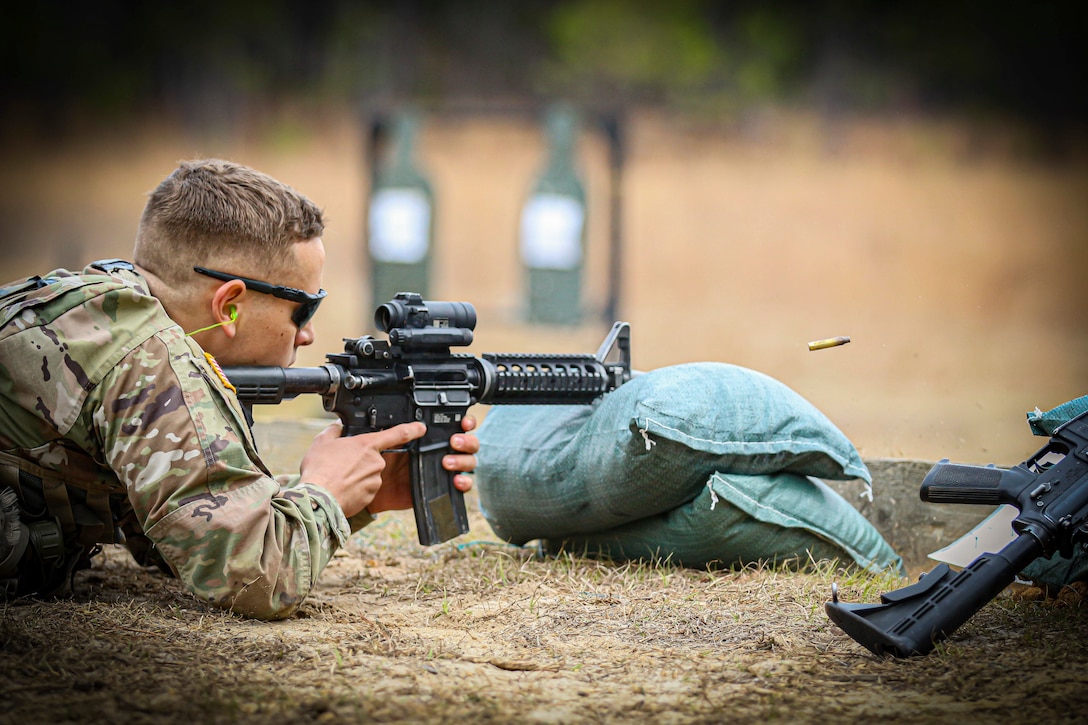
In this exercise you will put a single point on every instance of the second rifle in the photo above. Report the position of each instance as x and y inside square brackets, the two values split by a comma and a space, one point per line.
[1050, 490]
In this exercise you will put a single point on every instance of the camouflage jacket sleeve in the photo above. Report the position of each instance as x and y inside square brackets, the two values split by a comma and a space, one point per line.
[176, 437]
[99, 384]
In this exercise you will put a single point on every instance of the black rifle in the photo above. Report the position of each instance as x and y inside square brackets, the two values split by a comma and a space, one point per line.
[376, 384]
[1050, 489]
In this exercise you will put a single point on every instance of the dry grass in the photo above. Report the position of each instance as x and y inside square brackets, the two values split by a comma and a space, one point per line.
[479, 631]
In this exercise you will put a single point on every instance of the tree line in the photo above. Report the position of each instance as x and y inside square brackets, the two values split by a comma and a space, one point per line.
[61, 57]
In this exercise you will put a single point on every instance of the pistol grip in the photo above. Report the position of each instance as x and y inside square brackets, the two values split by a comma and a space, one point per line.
[958, 483]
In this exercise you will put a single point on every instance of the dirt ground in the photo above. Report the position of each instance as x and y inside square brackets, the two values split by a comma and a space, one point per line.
[953, 259]
[478, 631]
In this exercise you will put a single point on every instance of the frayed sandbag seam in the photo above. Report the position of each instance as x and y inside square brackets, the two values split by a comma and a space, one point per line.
[861, 559]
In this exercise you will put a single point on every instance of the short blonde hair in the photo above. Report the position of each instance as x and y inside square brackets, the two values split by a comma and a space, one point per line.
[211, 211]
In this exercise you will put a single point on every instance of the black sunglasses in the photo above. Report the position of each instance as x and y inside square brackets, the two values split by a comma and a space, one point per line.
[307, 303]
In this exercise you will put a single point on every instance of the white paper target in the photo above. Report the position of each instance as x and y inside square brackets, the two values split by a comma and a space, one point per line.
[551, 232]
[399, 224]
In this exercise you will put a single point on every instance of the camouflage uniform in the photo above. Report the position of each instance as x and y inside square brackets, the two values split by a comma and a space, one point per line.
[129, 429]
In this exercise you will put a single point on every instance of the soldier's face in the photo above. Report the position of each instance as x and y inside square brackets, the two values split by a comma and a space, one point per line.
[268, 335]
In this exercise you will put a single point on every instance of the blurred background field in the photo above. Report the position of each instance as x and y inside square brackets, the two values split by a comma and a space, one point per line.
[938, 220]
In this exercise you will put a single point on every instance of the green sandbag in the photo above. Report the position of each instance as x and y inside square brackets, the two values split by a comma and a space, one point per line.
[1044, 424]
[738, 520]
[649, 448]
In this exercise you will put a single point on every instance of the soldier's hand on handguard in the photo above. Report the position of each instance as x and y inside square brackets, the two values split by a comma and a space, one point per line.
[359, 475]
